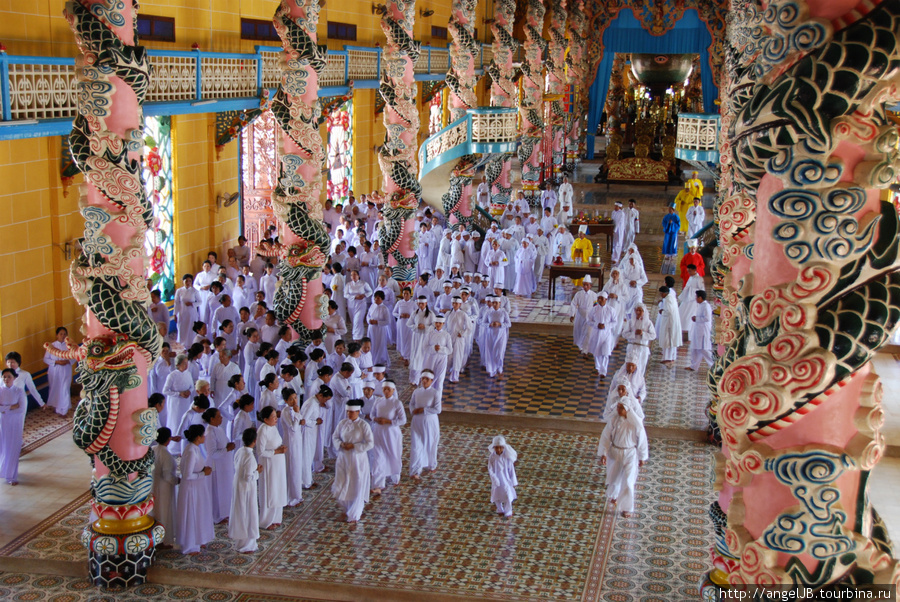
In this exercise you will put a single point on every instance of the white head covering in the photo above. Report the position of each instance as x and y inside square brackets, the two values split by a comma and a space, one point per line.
[378, 369]
[427, 373]
[618, 203]
[439, 320]
[635, 411]
[476, 234]
[508, 451]
[692, 243]
[587, 279]
[582, 229]
[370, 383]
[603, 294]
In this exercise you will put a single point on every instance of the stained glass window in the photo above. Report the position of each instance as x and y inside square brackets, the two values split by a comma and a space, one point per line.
[159, 243]
[340, 152]
[258, 176]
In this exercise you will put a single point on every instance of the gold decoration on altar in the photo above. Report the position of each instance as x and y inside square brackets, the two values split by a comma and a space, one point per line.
[638, 169]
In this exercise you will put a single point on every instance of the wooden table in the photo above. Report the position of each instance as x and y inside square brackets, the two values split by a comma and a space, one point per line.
[573, 270]
[595, 230]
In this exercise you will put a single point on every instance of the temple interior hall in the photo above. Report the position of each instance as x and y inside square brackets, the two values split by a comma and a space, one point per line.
[567, 300]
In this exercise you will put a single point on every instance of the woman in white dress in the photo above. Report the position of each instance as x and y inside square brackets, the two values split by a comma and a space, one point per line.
[179, 389]
[23, 377]
[243, 527]
[419, 323]
[617, 292]
[273, 484]
[403, 309]
[249, 353]
[12, 423]
[425, 429]
[353, 439]
[292, 429]
[187, 303]
[59, 375]
[165, 478]
[387, 416]
[524, 259]
[244, 417]
[357, 294]
[194, 526]
[335, 327]
[219, 452]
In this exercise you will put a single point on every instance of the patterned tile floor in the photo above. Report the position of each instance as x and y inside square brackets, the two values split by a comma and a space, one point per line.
[42, 426]
[442, 536]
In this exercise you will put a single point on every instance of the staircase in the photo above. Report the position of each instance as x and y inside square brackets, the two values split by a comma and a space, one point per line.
[485, 130]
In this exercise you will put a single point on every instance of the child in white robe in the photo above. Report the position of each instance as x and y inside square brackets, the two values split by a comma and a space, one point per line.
[244, 524]
[219, 453]
[13, 407]
[273, 485]
[353, 439]
[194, 525]
[639, 332]
[623, 450]
[59, 374]
[501, 467]
[165, 478]
[387, 416]
[425, 429]
[357, 294]
[293, 443]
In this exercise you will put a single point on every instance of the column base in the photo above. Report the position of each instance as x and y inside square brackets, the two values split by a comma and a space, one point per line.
[121, 560]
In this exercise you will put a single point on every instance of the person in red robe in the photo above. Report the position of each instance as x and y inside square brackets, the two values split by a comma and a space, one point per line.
[691, 257]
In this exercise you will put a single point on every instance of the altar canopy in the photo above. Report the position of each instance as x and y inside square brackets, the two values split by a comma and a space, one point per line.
[625, 33]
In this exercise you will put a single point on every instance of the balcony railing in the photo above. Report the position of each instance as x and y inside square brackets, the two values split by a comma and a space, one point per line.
[482, 131]
[698, 137]
[39, 93]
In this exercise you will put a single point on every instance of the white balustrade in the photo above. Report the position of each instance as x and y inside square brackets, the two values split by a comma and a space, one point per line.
[271, 76]
[494, 127]
[172, 78]
[227, 78]
[333, 73]
[440, 61]
[447, 140]
[697, 132]
[363, 65]
[42, 91]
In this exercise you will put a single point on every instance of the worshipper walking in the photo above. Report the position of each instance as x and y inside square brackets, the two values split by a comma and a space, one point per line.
[601, 324]
[403, 309]
[459, 326]
[353, 439]
[59, 375]
[419, 324]
[632, 376]
[13, 407]
[379, 319]
[671, 226]
[194, 525]
[639, 332]
[243, 527]
[310, 419]
[165, 478]
[701, 330]
[687, 300]
[696, 215]
[292, 431]
[219, 453]
[692, 257]
[496, 325]
[632, 223]
[187, 304]
[620, 230]
[501, 467]
[524, 262]
[387, 416]
[178, 390]
[357, 293]
[437, 348]
[425, 429]
[273, 485]
[623, 450]
[668, 326]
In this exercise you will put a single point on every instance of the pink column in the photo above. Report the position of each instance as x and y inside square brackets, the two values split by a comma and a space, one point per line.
[112, 423]
[503, 94]
[304, 242]
[556, 84]
[576, 76]
[531, 110]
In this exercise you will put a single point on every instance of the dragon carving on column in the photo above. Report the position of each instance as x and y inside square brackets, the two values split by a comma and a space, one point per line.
[397, 157]
[531, 109]
[811, 291]
[112, 423]
[576, 76]
[299, 300]
[461, 81]
[503, 92]
[556, 84]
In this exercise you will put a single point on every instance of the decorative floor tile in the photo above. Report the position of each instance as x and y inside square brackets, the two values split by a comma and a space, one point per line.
[442, 535]
[42, 426]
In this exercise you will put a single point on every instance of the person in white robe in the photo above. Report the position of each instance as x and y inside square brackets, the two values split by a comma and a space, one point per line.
[379, 319]
[483, 193]
[437, 347]
[470, 251]
[357, 294]
[425, 429]
[324, 431]
[338, 282]
[668, 326]
[633, 219]
[193, 416]
[548, 199]
[310, 419]
[618, 292]
[292, 430]
[219, 453]
[352, 475]
[243, 527]
[687, 300]
[502, 470]
[623, 450]
[165, 479]
[509, 246]
[194, 523]
[13, 407]
[696, 216]
[640, 332]
[161, 369]
[601, 322]
[582, 302]
[566, 197]
[701, 332]
[370, 264]
[335, 327]
[386, 458]
[390, 300]
[419, 324]
[524, 265]
[222, 371]
[273, 482]
[179, 390]
[629, 374]
[458, 326]
[443, 256]
[496, 324]
[562, 243]
[620, 229]
[59, 374]
[343, 392]
[495, 262]
[187, 306]
[635, 278]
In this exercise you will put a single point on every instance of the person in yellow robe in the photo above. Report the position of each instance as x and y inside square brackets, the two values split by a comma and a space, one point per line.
[683, 202]
[695, 185]
[582, 250]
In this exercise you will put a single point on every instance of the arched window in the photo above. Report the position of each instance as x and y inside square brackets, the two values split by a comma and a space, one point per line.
[340, 152]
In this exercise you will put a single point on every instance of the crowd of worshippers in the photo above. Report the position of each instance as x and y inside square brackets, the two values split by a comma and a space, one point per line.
[602, 320]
